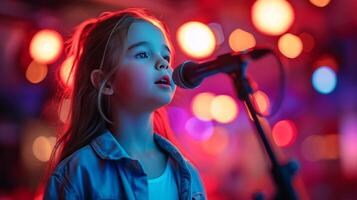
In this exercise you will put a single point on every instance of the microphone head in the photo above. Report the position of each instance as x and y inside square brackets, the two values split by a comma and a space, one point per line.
[179, 73]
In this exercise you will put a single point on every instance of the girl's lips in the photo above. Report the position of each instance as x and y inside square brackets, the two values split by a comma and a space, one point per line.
[164, 86]
[165, 78]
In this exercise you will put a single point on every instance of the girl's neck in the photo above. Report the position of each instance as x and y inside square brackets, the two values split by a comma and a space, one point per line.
[134, 131]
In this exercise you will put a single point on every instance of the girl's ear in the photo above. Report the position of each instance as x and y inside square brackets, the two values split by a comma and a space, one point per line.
[97, 78]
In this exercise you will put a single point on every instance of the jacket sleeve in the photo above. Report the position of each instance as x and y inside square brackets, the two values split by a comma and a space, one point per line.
[59, 188]
[197, 187]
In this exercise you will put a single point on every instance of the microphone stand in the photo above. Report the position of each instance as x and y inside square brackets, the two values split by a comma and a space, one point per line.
[282, 174]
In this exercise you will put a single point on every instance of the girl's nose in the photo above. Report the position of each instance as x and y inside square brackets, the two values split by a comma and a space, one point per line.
[162, 64]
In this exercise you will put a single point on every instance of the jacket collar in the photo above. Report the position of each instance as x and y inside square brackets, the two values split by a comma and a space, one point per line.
[107, 147]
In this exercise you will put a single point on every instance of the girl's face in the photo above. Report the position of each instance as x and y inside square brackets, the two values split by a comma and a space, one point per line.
[145, 61]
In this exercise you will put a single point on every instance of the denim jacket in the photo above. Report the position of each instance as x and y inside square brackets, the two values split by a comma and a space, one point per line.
[103, 170]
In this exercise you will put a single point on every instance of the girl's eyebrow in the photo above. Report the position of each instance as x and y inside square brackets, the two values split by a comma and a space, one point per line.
[145, 43]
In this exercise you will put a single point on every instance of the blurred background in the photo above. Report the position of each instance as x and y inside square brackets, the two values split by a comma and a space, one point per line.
[316, 123]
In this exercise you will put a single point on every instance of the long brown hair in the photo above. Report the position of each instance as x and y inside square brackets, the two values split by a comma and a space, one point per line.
[98, 44]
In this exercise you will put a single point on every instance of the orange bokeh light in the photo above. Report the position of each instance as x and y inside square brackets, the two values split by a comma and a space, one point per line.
[65, 72]
[224, 109]
[290, 45]
[36, 72]
[320, 3]
[196, 39]
[272, 17]
[46, 46]
[261, 102]
[241, 40]
[200, 105]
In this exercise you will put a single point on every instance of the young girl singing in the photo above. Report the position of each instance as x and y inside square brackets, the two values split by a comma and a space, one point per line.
[111, 148]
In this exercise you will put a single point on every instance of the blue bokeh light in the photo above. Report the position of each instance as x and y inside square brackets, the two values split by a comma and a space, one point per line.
[324, 80]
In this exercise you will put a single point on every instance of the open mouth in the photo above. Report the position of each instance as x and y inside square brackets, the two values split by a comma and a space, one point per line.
[165, 80]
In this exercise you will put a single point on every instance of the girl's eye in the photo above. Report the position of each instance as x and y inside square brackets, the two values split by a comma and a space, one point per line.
[167, 58]
[141, 55]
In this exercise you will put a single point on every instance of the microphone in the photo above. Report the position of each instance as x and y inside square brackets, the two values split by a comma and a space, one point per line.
[189, 74]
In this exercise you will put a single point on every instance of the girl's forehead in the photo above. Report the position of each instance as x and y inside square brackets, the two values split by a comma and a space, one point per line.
[145, 32]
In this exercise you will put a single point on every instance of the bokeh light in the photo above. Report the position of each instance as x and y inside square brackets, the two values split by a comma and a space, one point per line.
[320, 3]
[36, 72]
[240, 40]
[201, 104]
[224, 109]
[326, 60]
[198, 129]
[63, 112]
[290, 45]
[324, 80]
[178, 118]
[46, 46]
[308, 42]
[311, 148]
[272, 17]
[348, 144]
[217, 143]
[284, 133]
[320, 147]
[196, 39]
[218, 32]
[261, 102]
[66, 75]
[42, 147]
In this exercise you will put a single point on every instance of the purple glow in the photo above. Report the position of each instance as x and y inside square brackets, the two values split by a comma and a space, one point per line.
[178, 118]
[198, 129]
[348, 145]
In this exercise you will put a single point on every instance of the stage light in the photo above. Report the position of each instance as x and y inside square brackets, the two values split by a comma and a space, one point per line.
[320, 3]
[201, 104]
[241, 40]
[36, 72]
[65, 72]
[290, 45]
[196, 39]
[224, 109]
[46, 46]
[217, 143]
[261, 102]
[42, 147]
[272, 17]
[284, 133]
[198, 129]
[324, 80]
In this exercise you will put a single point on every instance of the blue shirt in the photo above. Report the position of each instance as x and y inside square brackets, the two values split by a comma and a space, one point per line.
[103, 170]
[164, 183]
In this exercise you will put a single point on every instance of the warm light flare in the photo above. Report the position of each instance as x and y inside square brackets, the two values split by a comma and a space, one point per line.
[46, 46]
[241, 40]
[196, 39]
[290, 45]
[272, 17]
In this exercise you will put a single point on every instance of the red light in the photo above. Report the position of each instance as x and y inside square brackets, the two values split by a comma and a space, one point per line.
[284, 133]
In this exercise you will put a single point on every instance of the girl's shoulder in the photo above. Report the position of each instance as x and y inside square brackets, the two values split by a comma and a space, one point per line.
[80, 159]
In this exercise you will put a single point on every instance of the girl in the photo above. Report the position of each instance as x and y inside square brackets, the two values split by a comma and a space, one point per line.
[111, 149]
